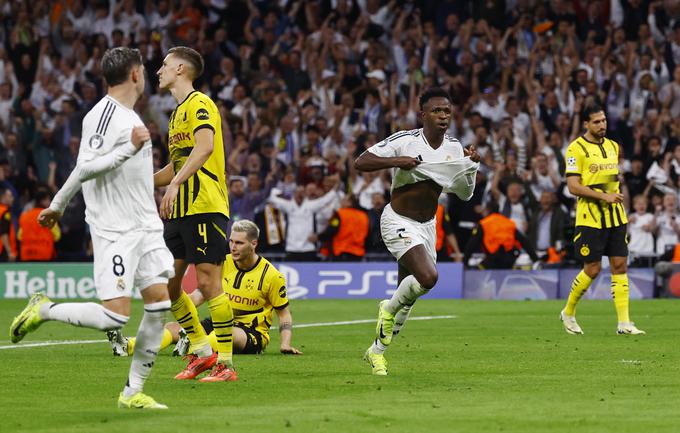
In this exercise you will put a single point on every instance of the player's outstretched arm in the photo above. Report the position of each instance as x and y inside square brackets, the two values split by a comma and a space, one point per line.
[102, 164]
[202, 150]
[49, 217]
[369, 161]
[286, 331]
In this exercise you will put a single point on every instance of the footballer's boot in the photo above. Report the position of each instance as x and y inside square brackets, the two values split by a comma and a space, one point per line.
[221, 373]
[378, 362]
[629, 328]
[29, 319]
[385, 325]
[183, 344]
[118, 342]
[197, 365]
[139, 401]
[570, 324]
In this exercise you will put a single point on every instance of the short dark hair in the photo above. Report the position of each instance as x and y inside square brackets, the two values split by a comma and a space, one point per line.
[589, 110]
[117, 63]
[190, 55]
[41, 195]
[433, 92]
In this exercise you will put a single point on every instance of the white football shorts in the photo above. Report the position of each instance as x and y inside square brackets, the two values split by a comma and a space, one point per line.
[136, 259]
[400, 233]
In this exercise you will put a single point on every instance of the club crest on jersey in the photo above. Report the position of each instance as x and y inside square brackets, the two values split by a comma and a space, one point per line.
[96, 141]
[202, 114]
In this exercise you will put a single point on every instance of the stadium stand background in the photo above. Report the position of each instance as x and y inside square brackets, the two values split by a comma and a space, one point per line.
[304, 87]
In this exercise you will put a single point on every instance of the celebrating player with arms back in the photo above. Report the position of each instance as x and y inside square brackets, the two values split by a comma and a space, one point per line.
[115, 170]
[195, 204]
[427, 162]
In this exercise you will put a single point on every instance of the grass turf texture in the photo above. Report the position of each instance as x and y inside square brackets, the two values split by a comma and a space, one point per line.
[497, 366]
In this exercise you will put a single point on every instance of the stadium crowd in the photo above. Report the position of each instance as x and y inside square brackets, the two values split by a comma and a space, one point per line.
[304, 87]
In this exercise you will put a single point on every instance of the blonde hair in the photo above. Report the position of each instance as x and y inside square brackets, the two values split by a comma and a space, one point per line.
[248, 227]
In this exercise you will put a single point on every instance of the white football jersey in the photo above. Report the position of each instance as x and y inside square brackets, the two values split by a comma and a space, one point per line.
[447, 165]
[122, 199]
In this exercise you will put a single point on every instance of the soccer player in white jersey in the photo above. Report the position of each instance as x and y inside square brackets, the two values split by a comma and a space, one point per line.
[426, 162]
[115, 171]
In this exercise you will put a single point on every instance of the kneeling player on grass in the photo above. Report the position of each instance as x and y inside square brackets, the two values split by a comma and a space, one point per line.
[254, 287]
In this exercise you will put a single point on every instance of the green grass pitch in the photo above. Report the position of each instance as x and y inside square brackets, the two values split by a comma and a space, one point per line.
[495, 367]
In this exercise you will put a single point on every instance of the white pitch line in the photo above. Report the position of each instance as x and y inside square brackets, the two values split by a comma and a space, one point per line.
[301, 325]
[53, 343]
[355, 322]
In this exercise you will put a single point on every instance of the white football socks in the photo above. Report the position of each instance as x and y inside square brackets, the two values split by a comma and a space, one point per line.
[407, 293]
[83, 314]
[400, 319]
[147, 345]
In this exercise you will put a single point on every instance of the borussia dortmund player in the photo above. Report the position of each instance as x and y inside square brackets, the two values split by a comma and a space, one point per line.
[196, 207]
[593, 176]
[255, 288]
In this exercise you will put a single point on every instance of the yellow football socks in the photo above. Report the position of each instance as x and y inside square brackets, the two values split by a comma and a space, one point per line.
[222, 320]
[578, 287]
[187, 316]
[621, 296]
[165, 342]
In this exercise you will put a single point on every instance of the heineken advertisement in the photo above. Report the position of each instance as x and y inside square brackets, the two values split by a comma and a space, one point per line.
[56, 280]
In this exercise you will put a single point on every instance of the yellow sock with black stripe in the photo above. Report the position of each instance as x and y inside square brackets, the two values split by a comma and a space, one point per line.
[187, 316]
[213, 342]
[166, 340]
[223, 321]
[621, 296]
[578, 287]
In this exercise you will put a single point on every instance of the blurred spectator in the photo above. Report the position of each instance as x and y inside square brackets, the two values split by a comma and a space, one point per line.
[668, 225]
[514, 202]
[301, 235]
[37, 242]
[641, 228]
[542, 177]
[547, 229]
[8, 242]
[498, 237]
[347, 231]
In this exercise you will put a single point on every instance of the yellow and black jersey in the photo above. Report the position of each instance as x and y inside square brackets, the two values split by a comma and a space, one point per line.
[598, 166]
[206, 190]
[253, 293]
